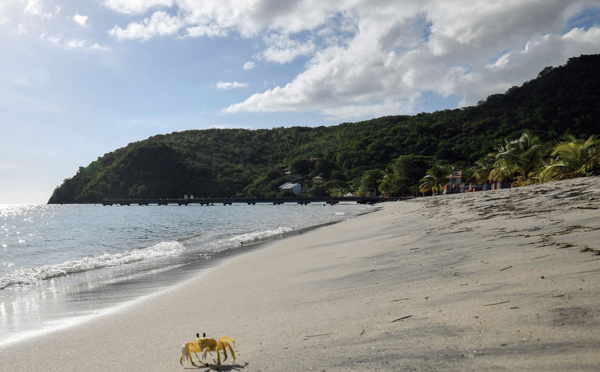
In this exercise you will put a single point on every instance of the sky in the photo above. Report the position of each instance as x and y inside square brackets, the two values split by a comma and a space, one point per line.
[81, 78]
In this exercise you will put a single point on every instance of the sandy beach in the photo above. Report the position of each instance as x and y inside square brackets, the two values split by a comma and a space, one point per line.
[505, 280]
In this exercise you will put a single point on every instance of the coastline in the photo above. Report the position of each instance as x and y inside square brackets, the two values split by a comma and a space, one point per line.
[495, 280]
[82, 291]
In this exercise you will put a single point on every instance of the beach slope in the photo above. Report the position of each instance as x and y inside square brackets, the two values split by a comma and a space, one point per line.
[501, 280]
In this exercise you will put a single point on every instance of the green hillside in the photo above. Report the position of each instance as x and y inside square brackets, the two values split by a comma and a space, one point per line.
[238, 162]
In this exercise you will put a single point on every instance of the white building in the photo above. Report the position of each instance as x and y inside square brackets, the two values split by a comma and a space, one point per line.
[295, 187]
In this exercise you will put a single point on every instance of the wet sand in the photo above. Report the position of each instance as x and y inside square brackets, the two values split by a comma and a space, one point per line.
[488, 281]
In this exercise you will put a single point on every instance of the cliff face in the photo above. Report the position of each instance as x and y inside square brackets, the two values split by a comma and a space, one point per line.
[220, 163]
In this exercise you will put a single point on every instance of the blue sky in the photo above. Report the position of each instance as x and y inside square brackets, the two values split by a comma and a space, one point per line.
[80, 78]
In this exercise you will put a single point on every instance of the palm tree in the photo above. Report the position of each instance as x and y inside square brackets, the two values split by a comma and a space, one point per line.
[574, 158]
[483, 167]
[519, 160]
[389, 184]
[435, 179]
[370, 182]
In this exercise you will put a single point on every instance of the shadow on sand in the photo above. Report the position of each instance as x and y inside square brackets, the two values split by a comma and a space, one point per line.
[224, 367]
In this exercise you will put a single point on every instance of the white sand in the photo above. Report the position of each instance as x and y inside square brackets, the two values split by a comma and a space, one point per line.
[485, 281]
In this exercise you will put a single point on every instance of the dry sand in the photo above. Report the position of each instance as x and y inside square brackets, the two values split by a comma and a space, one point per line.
[487, 281]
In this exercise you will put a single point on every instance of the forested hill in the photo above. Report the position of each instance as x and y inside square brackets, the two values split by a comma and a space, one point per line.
[229, 162]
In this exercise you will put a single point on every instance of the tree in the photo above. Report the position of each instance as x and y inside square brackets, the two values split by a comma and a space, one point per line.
[336, 188]
[483, 167]
[408, 170]
[300, 166]
[324, 167]
[435, 179]
[389, 184]
[519, 160]
[574, 158]
[370, 182]
[318, 189]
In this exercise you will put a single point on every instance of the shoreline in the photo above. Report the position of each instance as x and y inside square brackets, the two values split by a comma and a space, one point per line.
[134, 288]
[497, 280]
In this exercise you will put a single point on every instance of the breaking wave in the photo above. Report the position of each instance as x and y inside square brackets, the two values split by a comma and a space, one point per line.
[222, 244]
[37, 274]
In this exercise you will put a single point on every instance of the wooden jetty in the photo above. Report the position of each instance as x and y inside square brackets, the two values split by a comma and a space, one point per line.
[249, 201]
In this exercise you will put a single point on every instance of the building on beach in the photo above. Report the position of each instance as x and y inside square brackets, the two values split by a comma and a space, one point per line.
[296, 188]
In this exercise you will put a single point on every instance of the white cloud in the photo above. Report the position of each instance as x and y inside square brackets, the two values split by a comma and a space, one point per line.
[220, 17]
[517, 66]
[103, 48]
[377, 57]
[281, 49]
[36, 8]
[33, 7]
[372, 110]
[56, 40]
[230, 85]
[581, 36]
[73, 44]
[135, 6]
[80, 19]
[160, 24]
[22, 29]
[228, 126]
[211, 30]
[249, 66]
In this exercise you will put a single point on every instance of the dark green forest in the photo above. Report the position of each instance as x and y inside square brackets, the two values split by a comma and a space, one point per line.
[561, 101]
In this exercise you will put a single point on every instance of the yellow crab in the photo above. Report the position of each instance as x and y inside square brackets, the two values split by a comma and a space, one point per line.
[206, 345]
[188, 348]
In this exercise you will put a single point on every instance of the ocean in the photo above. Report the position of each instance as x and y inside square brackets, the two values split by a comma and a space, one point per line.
[61, 265]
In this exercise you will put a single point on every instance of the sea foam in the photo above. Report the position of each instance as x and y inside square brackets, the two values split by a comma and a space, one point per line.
[37, 274]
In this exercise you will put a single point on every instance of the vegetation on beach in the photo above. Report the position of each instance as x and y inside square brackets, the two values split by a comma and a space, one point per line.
[504, 137]
[574, 158]
[527, 161]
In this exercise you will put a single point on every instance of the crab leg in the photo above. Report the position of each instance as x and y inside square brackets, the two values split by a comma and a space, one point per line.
[204, 355]
[225, 346]
[228, 339]
[222, 347]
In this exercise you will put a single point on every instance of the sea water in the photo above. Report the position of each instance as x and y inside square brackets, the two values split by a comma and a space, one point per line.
[61, 265]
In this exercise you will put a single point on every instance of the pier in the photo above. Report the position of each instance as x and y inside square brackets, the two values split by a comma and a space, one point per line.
[249, 201]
